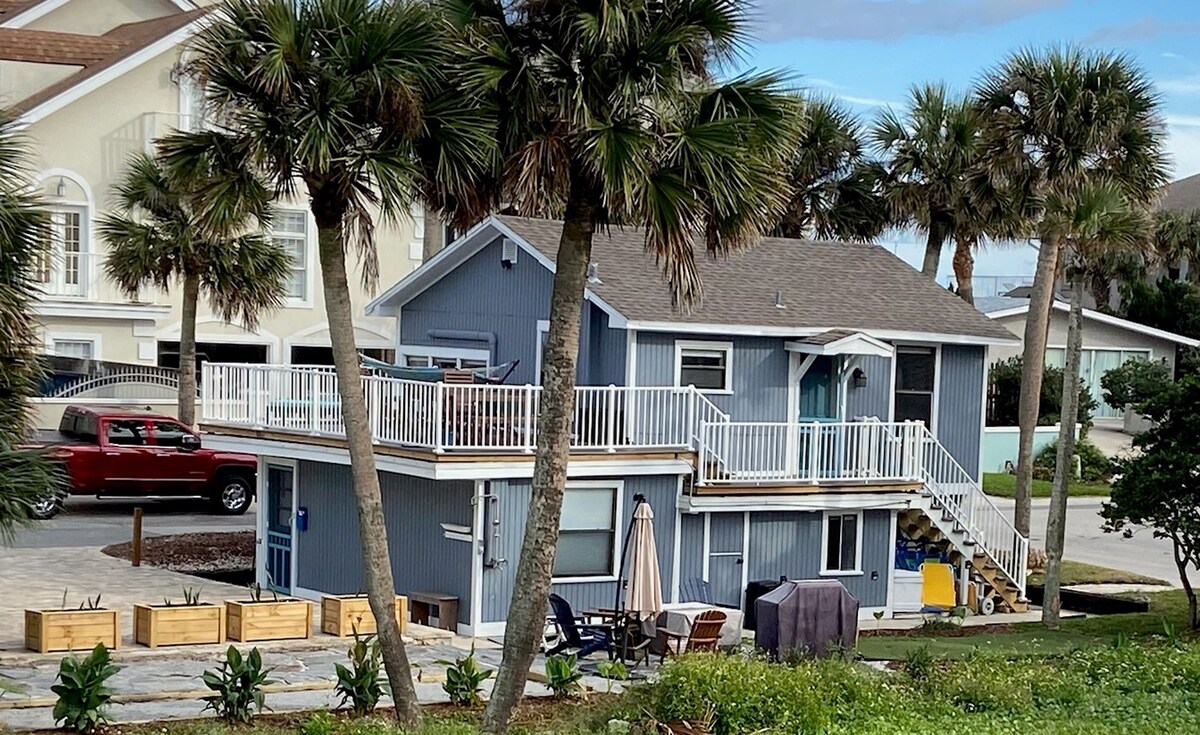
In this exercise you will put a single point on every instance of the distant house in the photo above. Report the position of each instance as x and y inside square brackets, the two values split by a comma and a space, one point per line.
[1108, 341]
[818, 415]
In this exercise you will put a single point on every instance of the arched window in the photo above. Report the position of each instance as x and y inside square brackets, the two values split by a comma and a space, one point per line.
[67, 266]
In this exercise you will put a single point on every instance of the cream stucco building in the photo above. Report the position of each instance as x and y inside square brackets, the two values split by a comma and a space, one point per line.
[98, 80]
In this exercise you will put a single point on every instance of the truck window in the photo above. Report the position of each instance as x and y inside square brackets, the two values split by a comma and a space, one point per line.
[127, 432]
[79, 426]
[169, 433]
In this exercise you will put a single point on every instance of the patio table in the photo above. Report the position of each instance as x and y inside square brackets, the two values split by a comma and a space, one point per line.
[677, 618]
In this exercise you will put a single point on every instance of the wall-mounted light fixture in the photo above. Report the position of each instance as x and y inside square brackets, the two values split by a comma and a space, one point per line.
[60, 189]
[860, 378]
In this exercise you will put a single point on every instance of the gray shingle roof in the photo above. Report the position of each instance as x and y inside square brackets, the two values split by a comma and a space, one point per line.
[989, 304]
[824, 285]
[1182, 195]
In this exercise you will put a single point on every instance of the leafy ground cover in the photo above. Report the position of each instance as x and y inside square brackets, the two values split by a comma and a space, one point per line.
[1004, 485]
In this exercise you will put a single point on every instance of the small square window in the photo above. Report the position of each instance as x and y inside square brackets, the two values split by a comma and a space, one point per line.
[704, 365]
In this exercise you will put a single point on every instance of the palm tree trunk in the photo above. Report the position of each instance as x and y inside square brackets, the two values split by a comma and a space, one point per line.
[372, 533]
[964, 268]
[1033, 365]
[527, 609]
[1064, 465]
[187, 350]
[933, 250]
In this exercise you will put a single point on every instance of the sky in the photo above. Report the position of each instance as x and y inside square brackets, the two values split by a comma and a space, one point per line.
[868, 53]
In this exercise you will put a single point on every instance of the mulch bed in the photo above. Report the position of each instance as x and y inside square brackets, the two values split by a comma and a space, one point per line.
[955, 632]
[193, 553]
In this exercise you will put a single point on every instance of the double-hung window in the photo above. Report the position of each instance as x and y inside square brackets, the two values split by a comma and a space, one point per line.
[289, 229]
[705, 365]
[916, 377]
[843, 543]
[587, 535]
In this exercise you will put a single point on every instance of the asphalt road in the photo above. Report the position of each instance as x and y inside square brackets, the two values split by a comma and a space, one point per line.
[90, 522]
[1085, 542]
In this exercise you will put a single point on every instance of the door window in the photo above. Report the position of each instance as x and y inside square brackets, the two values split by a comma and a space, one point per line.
[279, 490]
[127, 432]
[169, 433]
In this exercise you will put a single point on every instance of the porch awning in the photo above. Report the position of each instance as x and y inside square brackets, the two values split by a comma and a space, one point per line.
[840, 342]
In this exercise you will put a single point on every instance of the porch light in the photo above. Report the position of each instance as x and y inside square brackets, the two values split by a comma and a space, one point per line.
[60, 190]
[860, 378]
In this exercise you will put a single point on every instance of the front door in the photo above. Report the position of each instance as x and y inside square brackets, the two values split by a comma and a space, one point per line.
[725, 558]
[280, 488]
[818, 404]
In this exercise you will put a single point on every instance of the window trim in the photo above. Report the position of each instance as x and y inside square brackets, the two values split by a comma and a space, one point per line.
[935, 402]
[310, 238]
[543, 327]
[618, 486]
[682, 345]
[858, 560]
[403, 352]
[52, 336]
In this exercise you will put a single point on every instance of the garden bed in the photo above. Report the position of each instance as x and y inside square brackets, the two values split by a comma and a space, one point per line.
[222, 557]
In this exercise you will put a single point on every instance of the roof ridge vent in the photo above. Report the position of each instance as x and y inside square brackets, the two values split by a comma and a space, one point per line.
[593, 274]
[779, 300]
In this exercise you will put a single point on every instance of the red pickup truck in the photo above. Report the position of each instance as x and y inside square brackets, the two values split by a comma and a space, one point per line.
[121, 452]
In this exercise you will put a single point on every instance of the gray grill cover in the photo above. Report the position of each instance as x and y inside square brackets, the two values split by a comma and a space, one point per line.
[806, 615]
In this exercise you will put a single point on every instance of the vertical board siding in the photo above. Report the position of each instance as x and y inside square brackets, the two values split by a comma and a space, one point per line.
[876, 398]
[482, 296]
[330, 558]
[511, 508]
[788, 544]
[960, 403]
[691, 546]
[759, 365]
[725, 558]
[606, 357]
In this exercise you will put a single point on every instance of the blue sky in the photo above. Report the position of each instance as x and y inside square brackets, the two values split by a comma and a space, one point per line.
[869, 52]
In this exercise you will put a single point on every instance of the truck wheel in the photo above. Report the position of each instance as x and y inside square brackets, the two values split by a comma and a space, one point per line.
[232, 495]
[46, 508]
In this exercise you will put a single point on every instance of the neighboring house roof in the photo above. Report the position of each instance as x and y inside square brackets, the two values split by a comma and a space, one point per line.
[9, 8]
[1182, 195]
[822, 286]
[999, 307]
[17, 12]
[99, 57]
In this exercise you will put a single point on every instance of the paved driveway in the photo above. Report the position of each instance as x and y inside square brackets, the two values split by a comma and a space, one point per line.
[91, 522]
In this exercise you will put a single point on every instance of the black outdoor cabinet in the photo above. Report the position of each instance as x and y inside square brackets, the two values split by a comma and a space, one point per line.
[755, 590]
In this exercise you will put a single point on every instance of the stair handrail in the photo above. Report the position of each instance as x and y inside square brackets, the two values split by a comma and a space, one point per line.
[705, 416]
[981, 520]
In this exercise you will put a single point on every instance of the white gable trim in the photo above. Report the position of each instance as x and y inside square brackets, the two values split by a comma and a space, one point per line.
[48, 6]
[762, 331]
[457, 253]
[1103, 318]
[129, 63]
[852, 344]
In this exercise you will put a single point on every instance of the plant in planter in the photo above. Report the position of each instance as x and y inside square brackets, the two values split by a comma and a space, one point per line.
[261, 619]
[70, 629]
[343, 615]
[82, 691]
[177, 624]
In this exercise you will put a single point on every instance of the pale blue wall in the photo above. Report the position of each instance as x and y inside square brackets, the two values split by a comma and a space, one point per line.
[960, 403]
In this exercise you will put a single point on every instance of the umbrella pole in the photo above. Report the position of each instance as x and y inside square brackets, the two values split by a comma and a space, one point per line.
[618, 605]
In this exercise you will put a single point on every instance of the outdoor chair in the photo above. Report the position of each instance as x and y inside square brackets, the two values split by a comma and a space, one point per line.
[704, 635]
[695, 590]
[576, 635]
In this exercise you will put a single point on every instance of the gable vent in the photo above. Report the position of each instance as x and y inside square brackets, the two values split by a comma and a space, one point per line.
[593, 274]
[508, 253]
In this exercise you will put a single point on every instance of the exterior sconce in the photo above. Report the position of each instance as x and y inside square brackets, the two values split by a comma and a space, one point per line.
[860, 378]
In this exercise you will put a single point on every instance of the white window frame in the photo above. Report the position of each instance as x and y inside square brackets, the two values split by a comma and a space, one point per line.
[95, 338]
[310, 231]
[684, 345]
[403, 352]
[543, 327]
[937, 381]
[858, 543]
[618, 486]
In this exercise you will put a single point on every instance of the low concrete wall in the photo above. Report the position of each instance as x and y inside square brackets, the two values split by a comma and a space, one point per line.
[1133, 423]
[48, 411]
[1000, 444]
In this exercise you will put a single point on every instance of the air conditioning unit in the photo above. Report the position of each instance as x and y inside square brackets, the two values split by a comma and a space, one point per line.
[508, 253]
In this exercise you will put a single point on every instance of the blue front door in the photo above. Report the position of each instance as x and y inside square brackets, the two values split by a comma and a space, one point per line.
[818, 405]
[280, 487]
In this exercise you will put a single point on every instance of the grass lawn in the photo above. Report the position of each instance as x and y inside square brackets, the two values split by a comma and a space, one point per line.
[1076, 572]
[1004, 485]
[1169, 607]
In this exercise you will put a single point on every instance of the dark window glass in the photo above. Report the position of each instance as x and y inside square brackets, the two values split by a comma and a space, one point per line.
[587, 533]
[169, 434]
[841, 543]
[127, 432]
[705, 369]
[915, 380]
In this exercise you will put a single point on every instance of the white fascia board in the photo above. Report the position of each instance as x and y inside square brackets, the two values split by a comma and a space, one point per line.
[1103, 318]
[29, 15]
[763, 331]
[855, 344]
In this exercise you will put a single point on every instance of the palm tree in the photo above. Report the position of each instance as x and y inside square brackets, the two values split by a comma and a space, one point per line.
[25, 477]
[1095, 223]
[610, 114]
[985, 211]
[157, 237]
[836, 190]
[1176, 241]
[1055, 122]
[929, 152]
[345, 102]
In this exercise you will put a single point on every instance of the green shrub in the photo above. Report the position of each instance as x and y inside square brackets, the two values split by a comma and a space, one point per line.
[464, 679]
[238, 685]
[1094, 466]
[1004, 391]
[563, 675]
[1135, 382]
[83, 694]
[362, 684]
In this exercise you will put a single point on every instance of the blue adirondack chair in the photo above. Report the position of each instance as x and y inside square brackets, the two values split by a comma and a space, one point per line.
[576, 635]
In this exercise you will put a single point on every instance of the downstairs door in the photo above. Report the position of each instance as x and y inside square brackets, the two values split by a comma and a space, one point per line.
[280, 490]
[725, 560]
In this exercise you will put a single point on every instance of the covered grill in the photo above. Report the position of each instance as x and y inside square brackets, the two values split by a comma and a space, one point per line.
[806, 616]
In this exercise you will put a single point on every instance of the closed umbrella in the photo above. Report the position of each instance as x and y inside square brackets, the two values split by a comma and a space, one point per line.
[644, 595]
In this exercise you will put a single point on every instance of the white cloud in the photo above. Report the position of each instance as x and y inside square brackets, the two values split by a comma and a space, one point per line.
[780, 20]
[819, 82]
[867, 101]
[1171, 55]
[1182, 85]
[1183, 143]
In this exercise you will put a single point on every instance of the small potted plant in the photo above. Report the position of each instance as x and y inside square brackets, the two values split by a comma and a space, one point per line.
[342, 615]
[179, 624]
[72, 629]
[267, 618]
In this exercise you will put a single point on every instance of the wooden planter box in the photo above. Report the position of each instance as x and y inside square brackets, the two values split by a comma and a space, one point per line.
[71, 630]
[178, 625]
[269, 620]
[341, 615]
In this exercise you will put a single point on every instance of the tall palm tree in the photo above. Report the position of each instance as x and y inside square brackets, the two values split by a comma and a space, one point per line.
[985, 211]
[157, 237]
[929, 152]
[1056, 121]
[25, 478]
[345, 102]
[836, 190]
[610, 112]
[1176, 241]
[1095, 223]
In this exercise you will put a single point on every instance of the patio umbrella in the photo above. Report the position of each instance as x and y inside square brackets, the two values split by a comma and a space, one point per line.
[644, 595]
